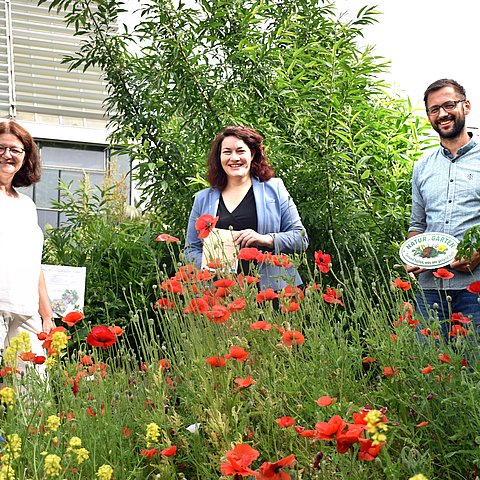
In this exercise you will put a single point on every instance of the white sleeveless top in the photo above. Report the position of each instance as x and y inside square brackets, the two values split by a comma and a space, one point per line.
[21, 244]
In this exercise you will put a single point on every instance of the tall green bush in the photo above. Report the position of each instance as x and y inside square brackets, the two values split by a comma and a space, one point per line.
[293, 70]
[120, 254]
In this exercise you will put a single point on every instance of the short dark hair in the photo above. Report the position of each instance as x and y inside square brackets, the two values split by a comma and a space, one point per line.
[443, 82]
[260, 167]
[30, 171]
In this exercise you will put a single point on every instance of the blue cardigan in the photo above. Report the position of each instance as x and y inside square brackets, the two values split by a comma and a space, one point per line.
[276, 214]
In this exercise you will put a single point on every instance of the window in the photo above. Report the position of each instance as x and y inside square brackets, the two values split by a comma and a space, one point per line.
[69, 163]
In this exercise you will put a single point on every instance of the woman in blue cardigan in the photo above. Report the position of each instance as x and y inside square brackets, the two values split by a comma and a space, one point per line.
[248, 199]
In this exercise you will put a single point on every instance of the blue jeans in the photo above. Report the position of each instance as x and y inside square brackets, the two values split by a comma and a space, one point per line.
[458, 301]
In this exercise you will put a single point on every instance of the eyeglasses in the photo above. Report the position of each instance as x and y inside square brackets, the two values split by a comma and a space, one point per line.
[447, 106]
[14, 151]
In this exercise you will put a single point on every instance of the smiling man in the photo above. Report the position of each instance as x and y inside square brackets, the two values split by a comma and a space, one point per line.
[446, 198]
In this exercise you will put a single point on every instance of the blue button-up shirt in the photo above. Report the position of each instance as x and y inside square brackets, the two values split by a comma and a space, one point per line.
[446, 198]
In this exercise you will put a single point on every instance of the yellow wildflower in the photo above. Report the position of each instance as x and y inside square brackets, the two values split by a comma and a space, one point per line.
[153, 433]
[82, 455]
[13, 445]
[374, 425]
[7, 396]
[75, 442]
[59, 342]
[418, 476]
[105, 472]
[19, 344]
[51, 361]
[52, 466]
[7, 472]
[53, 422]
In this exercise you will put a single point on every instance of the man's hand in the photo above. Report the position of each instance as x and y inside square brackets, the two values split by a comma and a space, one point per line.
[464, 265]
[414, 270]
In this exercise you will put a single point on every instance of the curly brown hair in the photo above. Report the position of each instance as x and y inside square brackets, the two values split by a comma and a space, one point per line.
[30, 171]
[260, 167]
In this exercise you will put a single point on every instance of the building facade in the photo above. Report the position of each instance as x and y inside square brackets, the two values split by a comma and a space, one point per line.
[62, 109]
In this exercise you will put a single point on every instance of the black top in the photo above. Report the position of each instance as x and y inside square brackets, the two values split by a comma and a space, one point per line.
[242, 217]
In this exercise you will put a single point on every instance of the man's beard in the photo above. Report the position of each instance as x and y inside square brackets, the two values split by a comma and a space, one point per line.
[458, 126]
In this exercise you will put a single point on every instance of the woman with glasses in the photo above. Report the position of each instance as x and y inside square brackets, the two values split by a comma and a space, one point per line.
[248, 199]
[24, 303]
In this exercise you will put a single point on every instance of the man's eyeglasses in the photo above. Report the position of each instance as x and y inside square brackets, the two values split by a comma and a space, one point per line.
[447, 106]
[14, 151]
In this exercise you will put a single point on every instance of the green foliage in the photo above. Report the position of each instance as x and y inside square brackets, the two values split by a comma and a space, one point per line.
[293, 70]
[119, 252]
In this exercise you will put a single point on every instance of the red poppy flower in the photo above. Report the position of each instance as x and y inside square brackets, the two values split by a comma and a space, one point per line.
[368, 451]
[323, 261]
[427, 332]
[224, 282]
[474, 288]
[290, 291]
[237, 305]
[421, 424]
[325, 401]
[234, 468]
[169, 451]
[369, 360]
[243, 454]
[260, 325]
[291, 307]
[197, 305]
[332, 296]
[292, 337]
[327, 430]
[444, 358]
[348, 437]
[101, 336]
[237, 353]
[27, 356]
[248, 253]
[458, 330]
[285, 422]
[72, 318]
[244, 382]
[205, 224]
[443, 273]
[165, 237]
[273, 470]
[390, 371]
[282, 261]
[164, 304]
[248, 279]
[427, 369]
[267, 294]
[265, 257]
[86, 360]
[308, 433]
[164, 363]
[149, 453]
[172, 286]
[460, 318]
[399, 283]
[393, 337]
[218, 314]
[216, 361]
[39, 360]
[126, 431]
[116, 330]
